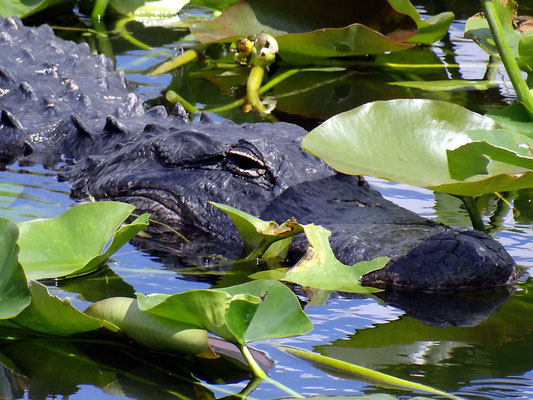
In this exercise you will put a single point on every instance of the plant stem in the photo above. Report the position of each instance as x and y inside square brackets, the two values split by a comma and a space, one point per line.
[473, 213]
[508, 59]
[99, 9]
[256, 368]
[178, 61]
[259, 373]
[252, 89]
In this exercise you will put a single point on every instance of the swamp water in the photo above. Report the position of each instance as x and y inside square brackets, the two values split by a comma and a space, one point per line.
[488, 355]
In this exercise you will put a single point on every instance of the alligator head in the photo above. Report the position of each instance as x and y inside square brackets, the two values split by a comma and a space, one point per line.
[77, 115]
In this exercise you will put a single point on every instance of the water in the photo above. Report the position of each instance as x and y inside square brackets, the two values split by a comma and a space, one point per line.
[491, 360]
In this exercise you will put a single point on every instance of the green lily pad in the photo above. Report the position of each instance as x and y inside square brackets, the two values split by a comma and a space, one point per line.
[514, 117]
[147, 8]
[51, 315]
[518, 36]
[369, 141]
[217, 5]
[73, 243]
[320, 29]
[320, 269]
[430, 29]
[477, 28]
[259, 234]
[25, 8]
[241, 313]
[499, 145]
[14, 292]
[150, 330]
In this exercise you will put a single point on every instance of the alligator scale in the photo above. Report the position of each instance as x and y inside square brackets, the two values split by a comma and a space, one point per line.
[71, 111]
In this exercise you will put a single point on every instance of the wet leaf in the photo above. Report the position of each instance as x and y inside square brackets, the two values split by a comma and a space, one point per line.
[150, 330]
[241, 313]
[430, 29]
[14, 292]
[499, 145]
[320, 269]
[147, 8]
[217, 5]
[255, 232]
[320, 29]
[26, 8]
[74, 242]
[369, 141]
[514, 117]
[51, 315]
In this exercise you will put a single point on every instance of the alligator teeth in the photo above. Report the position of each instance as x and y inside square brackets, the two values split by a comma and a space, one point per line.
[9, 120]
[113, 125]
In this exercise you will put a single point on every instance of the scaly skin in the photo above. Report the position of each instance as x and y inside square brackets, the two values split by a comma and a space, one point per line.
[61, 104]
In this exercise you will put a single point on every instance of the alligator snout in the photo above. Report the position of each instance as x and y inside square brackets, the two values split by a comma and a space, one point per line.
[450, 260]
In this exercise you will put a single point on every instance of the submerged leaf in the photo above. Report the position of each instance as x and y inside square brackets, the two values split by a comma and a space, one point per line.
[369, 141]
[73, 242]
[150, 330]
[320, 269]
[14, 292]
[363, 372]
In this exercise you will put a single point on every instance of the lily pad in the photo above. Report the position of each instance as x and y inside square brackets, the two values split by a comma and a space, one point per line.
[150, 330]
[241, 313]
[430, 29]
[500, 145]
[369, 141]
[320, 29]
[23, 9]
[519, 36]
[51, 315]
[147, 8]
[320, 269]
[14, 292]
[73, 243]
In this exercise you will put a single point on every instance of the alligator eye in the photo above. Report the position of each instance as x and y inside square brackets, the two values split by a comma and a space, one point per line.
[245, 159]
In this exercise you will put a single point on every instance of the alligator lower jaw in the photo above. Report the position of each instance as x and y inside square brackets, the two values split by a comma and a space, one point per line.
[160, 204]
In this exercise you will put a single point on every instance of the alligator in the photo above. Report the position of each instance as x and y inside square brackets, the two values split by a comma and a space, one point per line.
[70, 111]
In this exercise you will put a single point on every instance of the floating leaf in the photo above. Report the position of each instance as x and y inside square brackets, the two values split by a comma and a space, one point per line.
[51, 315]
[217, 5]
[320, 29]
[430, 29]
[241, 313]
[14, 292]
[499, 145]
[22, 9]
[369, 141]
[514, 117]
[74, 242]
[320, 269]
[148, 8]
[150, 330]
[477, 28]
